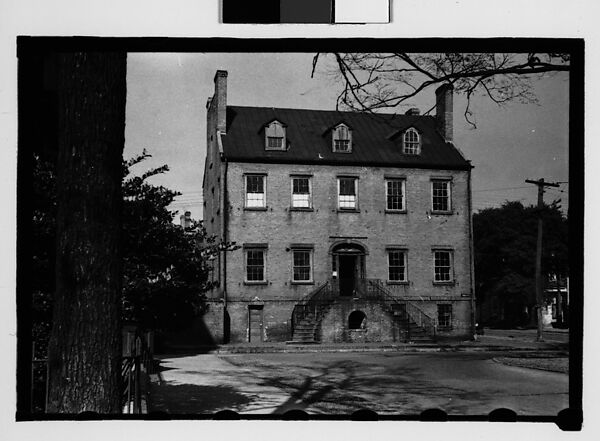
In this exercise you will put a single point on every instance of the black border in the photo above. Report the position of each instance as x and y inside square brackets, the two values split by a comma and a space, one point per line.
[28, 45]
[31, 48]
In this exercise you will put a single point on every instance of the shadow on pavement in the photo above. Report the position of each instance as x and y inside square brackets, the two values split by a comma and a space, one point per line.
[192, 399]
[332, 390]
[342, 387]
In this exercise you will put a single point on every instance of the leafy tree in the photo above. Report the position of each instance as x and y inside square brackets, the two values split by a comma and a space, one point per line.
[166, 267]
[388, 80]
[505, 249]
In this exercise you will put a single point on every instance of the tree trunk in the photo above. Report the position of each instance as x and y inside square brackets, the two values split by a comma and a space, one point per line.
[85, 343]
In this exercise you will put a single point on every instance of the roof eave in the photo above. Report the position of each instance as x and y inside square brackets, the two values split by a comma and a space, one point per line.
[424, 165]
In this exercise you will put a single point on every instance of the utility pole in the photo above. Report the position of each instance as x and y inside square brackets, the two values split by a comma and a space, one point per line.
[539, 297]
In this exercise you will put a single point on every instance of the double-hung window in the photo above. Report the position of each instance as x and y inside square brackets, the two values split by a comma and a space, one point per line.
[301, 192]
[444, 316]
[442, 266]
[348, 193]
[395, 194]
[397, 265]
[255, 263]
[255, 191]
[440, 196]
[302, 265]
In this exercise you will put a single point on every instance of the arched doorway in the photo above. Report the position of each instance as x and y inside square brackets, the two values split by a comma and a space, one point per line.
[357, 320]
[348, 265]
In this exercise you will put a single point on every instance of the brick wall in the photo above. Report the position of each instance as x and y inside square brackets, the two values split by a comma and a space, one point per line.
[379, 324]
[418, 230]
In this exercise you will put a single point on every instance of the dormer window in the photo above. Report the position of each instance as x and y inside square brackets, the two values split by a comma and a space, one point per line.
[342, 139]
[411, 142]
[275, 142]
[275, 136]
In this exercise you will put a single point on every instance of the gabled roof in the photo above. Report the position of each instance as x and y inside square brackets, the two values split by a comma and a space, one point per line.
[271, 121]
[335, 126]
[371, 144]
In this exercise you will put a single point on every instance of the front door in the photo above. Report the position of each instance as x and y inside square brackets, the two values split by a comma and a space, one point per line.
[347, 274]
[255, 323]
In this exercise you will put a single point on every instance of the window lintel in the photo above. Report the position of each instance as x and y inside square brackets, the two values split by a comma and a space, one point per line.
[301, 246]
[255, 245]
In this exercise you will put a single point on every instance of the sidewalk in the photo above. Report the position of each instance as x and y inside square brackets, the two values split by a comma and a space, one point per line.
[487, 342]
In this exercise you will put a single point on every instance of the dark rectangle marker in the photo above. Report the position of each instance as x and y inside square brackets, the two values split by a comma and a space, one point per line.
[306, 11]
[278, 11]
[248, 11]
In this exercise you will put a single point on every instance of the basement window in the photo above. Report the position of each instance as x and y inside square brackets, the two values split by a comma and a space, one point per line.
[444, 316]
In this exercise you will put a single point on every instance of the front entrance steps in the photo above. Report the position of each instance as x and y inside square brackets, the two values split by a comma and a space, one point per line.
[307, 330]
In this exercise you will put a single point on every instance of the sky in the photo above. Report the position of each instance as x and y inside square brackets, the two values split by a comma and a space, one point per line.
[166, 115]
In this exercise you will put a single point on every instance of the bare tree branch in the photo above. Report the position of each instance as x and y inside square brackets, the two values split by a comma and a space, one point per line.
[373, 81]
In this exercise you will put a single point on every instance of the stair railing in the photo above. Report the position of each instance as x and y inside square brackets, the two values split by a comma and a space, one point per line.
[421, 318]
[376, 290]
[312, 303]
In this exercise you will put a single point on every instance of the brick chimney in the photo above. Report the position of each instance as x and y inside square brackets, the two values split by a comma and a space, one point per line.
[217, 105]
[413, 111]
[443, 110]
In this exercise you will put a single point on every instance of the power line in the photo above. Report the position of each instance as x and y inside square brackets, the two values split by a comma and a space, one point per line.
[499, 189]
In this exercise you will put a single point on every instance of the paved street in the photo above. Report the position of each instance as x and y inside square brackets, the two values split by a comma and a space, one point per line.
[341, 383]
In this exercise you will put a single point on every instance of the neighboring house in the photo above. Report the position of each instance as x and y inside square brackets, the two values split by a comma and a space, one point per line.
[509, 310]
[351, 226]
[556, 297]
[506, 310]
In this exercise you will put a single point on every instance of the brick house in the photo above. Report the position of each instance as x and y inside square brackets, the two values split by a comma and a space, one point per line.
[351, 227]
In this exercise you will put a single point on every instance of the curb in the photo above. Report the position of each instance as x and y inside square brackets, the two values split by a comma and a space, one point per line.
[405, 349]
[539, 368]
